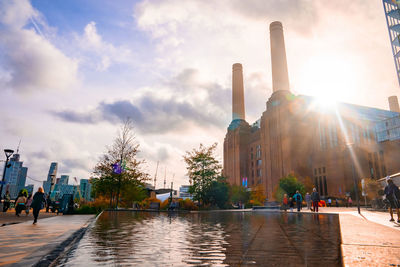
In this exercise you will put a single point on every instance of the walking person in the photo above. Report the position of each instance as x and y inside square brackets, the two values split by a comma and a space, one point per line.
[308, 201]
[285, 202]
[291, 204]
[315, 199]
[392, 194]
[38, 203]
[20, 204]
[7, 200]
[336, 203]
[299, 199]
[350, 201]
[48, 202]
[28, 204]
[329, 202]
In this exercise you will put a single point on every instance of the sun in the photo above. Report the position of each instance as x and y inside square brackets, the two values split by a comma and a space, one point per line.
[329, 79]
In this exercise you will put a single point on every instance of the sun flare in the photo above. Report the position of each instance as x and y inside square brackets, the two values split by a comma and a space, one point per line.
[328, 78]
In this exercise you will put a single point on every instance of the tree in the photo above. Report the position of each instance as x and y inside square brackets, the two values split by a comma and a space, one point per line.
[203, 169]
[290, 184]
[119, 168]
[257, 195]
[308, 184]
[238, 194]
[218, 193]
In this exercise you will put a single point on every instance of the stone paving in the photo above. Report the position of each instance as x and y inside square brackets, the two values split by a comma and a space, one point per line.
[9, 217]
[369, 239]
[24, 244]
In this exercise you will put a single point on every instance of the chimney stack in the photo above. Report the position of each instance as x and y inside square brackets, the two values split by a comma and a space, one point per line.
[393, 103]
[237, 92]
[280, 77]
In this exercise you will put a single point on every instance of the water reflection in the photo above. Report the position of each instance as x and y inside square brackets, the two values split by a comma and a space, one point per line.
[209, 239]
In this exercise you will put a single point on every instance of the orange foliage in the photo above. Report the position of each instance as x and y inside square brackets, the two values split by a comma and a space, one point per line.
[257, 195]
[187, 204]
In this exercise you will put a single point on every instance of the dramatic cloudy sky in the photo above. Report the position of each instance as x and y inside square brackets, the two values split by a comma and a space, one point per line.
[70, 71]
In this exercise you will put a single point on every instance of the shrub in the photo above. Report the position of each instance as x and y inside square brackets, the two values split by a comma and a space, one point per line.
[164, 204]
[187, 204]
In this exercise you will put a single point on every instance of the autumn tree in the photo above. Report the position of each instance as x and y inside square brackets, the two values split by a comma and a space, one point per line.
[118, 171]
[203, 169]
[257, 195]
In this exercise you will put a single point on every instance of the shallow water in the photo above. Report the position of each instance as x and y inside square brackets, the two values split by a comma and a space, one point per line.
[209, 239]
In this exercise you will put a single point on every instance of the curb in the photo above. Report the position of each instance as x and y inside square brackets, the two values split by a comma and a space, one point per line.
[62, 251]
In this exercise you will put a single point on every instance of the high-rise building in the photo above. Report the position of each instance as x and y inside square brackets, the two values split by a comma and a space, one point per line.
[298, 135]
[392, 13]
[15, 177]
[86, 189]
[51, 178]
[63, 179]
[184, 192]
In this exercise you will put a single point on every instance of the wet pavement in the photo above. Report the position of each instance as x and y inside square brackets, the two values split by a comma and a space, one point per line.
[25, 244]
[210, 238]
[236, 238]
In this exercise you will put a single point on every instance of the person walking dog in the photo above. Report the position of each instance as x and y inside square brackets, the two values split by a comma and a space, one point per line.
[38, 203]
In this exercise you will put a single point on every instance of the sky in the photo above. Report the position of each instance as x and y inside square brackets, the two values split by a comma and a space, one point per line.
[72, 71]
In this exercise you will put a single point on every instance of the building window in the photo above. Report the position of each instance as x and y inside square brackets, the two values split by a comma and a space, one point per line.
[378, 174]
[315, 171]
[259, 161]
[319, 170]
[259, 173]
[251, 155]
[316, 183]
[325, 186]
[320, 186]
[258, 153]
[323, 169]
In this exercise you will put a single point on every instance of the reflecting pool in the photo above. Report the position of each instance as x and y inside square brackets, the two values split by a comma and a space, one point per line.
[209, 239]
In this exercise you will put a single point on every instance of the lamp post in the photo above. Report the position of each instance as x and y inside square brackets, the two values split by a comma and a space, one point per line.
[8, 153]
[349, 146]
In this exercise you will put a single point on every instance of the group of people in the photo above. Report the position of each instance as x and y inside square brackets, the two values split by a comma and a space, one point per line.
[311, 200]
[25, 202]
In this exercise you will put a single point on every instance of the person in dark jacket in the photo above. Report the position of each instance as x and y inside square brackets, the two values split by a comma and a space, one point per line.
[38, 203]
[299, 199]
[392, 194]
[7, 201]
[315, 199]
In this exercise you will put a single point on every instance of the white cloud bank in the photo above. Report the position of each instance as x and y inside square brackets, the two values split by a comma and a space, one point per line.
[29, 61]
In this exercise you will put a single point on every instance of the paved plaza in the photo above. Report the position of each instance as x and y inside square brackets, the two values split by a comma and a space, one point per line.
[25, 244]
[367, 240]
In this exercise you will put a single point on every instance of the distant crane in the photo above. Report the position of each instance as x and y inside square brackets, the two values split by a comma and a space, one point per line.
[155, 177]
[19, 145]
[165, 177]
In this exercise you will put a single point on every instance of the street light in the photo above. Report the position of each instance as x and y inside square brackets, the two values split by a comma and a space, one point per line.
[349, 146]
[8, 153]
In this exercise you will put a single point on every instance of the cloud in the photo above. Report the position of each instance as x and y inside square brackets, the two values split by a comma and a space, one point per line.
[99, 52]
[187, 101]
[30, 61]
[150, 115]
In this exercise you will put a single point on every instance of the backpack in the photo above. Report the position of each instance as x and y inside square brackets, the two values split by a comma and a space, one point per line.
[298, 198]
